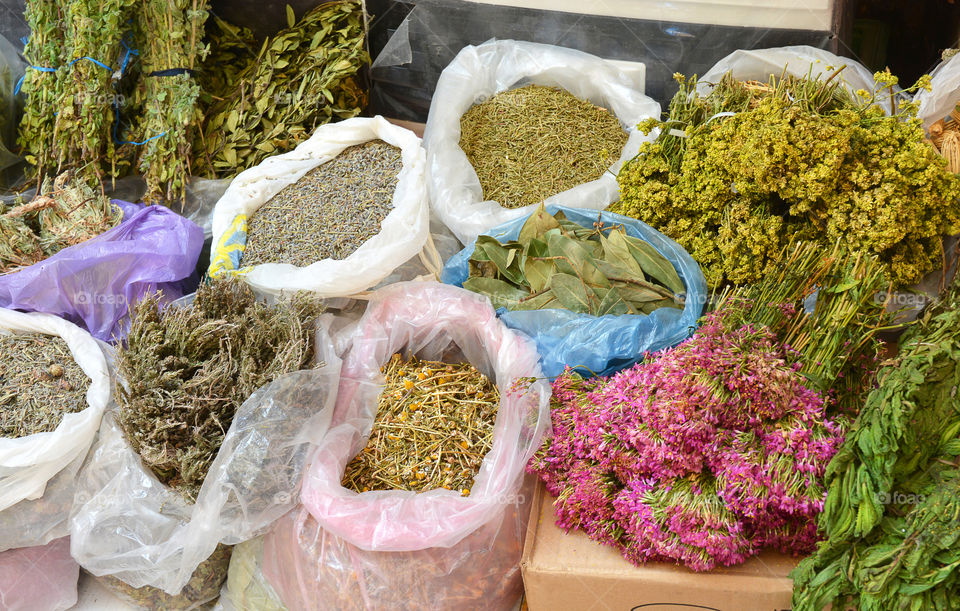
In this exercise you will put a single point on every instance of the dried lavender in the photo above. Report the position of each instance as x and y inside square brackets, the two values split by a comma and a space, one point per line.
[39, 383]
[433, 427]
[329, 212]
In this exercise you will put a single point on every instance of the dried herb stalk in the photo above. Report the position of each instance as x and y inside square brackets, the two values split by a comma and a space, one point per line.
[329, 212]
[171, 46]
[39, 383]
[187, 370]
[530, 143]
[945, 137]
[305, 76]
[433, 427]
[44, 49]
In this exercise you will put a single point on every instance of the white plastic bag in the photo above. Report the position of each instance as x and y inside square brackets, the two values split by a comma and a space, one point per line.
[28, 464]
[944, 94]
[402, 235]
[797, 60]
[42, 578]
[128, 525]
[479, 72]
[343, 537]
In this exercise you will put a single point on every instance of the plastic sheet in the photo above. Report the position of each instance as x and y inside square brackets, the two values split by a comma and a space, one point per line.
[128, 525]
[42, 578]
[28, 464]
[599, 344]
[478, 73]
[93, 283]
[450, 540]
[247, 589]
[402, 235]
[944, 94]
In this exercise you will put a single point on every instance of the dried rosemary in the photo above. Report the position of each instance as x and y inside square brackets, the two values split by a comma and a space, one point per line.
[39, 383]
[187, 370]
[433, 427]
[530, 143]
[329, 212]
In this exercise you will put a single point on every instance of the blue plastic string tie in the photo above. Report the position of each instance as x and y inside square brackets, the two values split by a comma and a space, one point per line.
[126, 56]
[16, 89]
[116, 123]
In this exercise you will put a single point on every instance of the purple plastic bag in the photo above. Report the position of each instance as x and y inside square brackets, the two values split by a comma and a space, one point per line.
[92, 284]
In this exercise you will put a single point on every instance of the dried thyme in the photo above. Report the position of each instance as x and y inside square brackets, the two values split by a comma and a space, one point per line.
[329, 212]
[187, 370]
[433, 427]
[39, 383]
[530, 143]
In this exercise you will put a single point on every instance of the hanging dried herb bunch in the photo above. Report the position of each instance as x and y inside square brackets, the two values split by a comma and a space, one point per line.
[39, 383]
[433, 427]
[44, 49]
[305, 76]
[530, 143]
[188, 369]
[67, 212]
[329, 212]
[171, 45]
[231, 49]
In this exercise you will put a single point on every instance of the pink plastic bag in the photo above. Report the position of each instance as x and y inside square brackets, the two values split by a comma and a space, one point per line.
[352, 543]
[40, 578]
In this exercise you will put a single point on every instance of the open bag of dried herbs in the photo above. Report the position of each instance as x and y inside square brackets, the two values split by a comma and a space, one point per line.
[741, 168]
[54, 388]
[74, 253]
[595, 290]
[414, 498]
[513, 124]
[218, 398]
[707, 453]
[335, 216]
[890, 519]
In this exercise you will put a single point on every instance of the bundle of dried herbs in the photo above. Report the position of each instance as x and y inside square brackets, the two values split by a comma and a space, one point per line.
[203, 587]
[737, 174]
[556, 263]
[44, 53]
[171, 45]
[894, 487]
[67, 212]
[329, 212]
[530, 143]
[305, 76]
[231, 49]
[433, 427]
[39, 383]
[85, 104]
[188, 369]
[945, 138]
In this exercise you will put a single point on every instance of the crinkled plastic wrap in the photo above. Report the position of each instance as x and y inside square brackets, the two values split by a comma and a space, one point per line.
[42, 578]
[599, 344]
[402, 235]
[37, 471]
[401, 549]
[247, 589]
[129, 525]
[481, 71]
[93, 283]
[944, 94]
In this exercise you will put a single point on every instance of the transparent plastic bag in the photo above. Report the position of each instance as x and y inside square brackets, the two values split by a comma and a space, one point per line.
[440, 528]
[599, 345]
[481, 71]
[42, 578]
[128, 525]
[402, 235]
[944, 94]
[247, 589]
[28, 464]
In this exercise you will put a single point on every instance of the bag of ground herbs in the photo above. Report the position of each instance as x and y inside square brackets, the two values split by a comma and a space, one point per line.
[335, 216]
[496, 146]
[43, 577]
[158, 535]
[54, 387]
[93, 283]
[413, 498]
[599, 343]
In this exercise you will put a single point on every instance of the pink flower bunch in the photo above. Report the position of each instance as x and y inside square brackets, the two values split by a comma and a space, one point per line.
[703, 454]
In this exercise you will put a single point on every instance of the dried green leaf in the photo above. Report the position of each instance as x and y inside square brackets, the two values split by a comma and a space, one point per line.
[501, 294]
[571, 293]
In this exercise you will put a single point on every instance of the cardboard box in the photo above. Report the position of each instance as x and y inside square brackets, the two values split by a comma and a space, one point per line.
[569, 571]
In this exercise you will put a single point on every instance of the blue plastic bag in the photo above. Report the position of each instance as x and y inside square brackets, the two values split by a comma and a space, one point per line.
[599, 345]
[92, 284]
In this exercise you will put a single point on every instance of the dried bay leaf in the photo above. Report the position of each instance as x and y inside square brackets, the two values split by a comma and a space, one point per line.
[502, 294]
[656, 265]
[571, 292]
